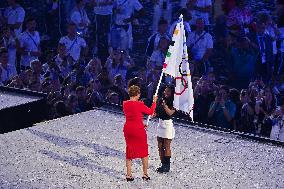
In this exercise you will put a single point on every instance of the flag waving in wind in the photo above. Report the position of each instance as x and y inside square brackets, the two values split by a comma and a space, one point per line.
[177, 66]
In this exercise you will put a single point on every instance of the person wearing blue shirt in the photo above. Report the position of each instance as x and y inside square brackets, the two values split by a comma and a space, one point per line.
[222, 110]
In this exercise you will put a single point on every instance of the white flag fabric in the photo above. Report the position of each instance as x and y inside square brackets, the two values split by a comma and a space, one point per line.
[177, 66]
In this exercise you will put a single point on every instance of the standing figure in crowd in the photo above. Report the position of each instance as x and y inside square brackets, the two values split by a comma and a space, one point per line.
[262, 43]
[30, 44]
[80, 18]
[239, 18]
[277, 132]
[200, 9]
[73, 43]
[9, 41]
[200, 45]
[121, 35]
[135, 131]
[6, 72]
[14, 16]
[103, 18]
[165, 130]
[153, 41]
[162, 10]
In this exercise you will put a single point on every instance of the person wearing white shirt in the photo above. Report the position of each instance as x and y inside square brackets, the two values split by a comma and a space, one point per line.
[200, 45]
[103, 17]
[162, 9]
[15, 16]
[158, 56]
[200, 9]
[73, 43]
[5, 71]
[153, 41]
[29, 43]
[121, 36]
[80, 18]
[9, 42]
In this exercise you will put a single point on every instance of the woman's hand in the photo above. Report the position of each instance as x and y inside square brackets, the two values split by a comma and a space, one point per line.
[155, 98]
[145, 126]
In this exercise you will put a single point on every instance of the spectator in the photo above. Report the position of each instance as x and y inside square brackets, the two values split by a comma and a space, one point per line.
[119, 88]
[162, 10]
[280, 66]
[62, 61]
[60, 109]
[93, 69]
[263, 44]
[200, 9]
[82, 98]
[15, 16]
[103, 18]
[243, 66]
[117, 65]
[9, 41]
[72, 105]
[153, 40]
[121, 36]
[265, 105]
[113, 98]
[30, 44]
[73, 43]
[37, 70]
[239, 18]
[202, 100]
[6, 72]
[96, 98]
[200, 45]
[277, 132]
[157, 58]
[80, 18]
[245, 122]
[222, 111]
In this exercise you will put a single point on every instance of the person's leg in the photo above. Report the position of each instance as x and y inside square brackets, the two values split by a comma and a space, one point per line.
[145, 165]
[168, 153]
[167, 144]
[128, 168]
[160, 148]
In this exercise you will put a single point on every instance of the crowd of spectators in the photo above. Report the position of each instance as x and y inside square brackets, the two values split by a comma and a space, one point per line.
[83, 57]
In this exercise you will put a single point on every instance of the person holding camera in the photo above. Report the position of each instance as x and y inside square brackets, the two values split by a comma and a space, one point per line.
[222, 110]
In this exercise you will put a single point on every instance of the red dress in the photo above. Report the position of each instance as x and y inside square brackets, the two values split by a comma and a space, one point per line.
[134, 131]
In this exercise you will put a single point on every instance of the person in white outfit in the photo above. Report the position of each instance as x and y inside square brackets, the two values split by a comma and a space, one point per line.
[30, 44]
[80, 18]
[162, 10]
[15, 16]
[9, 41]
[277, 131]
[121, 32]
[165, 130]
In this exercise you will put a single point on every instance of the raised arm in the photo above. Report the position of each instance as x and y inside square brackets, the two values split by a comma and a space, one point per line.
[148, 111]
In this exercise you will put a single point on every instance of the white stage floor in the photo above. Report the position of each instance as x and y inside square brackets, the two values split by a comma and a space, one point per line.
[87, 151]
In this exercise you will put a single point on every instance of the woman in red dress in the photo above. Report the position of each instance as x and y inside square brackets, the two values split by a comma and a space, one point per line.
[135, 131]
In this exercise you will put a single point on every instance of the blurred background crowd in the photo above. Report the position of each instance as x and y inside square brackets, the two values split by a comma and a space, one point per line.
[85, 53]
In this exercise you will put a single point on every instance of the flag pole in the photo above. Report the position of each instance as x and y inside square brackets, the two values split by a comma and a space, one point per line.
[156, 93]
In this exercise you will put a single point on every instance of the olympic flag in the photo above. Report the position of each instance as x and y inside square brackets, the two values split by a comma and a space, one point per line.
[177, 65]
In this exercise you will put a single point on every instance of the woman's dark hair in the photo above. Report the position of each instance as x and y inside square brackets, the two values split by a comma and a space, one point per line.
[234, 95]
